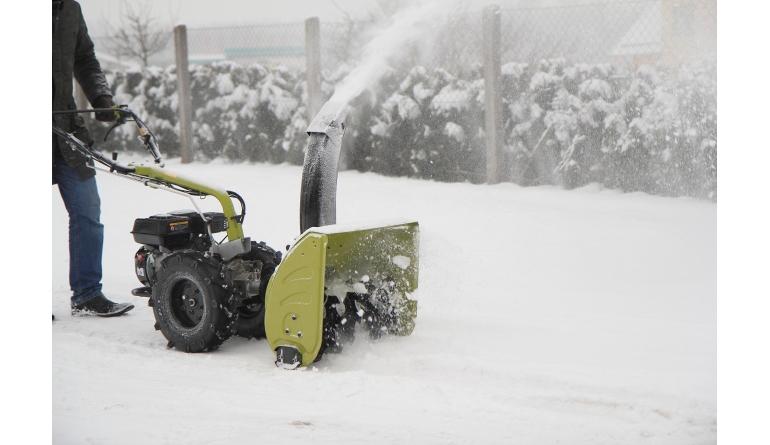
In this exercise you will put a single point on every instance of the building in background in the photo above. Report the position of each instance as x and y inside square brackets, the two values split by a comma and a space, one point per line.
[670, 32]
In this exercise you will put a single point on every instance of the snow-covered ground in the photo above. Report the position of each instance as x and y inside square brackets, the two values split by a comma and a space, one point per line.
[545, 316]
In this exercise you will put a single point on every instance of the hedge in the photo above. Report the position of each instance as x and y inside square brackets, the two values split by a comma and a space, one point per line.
[650, 129]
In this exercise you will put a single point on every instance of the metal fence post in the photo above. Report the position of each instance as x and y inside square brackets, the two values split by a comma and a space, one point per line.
[313, 61]
[492, 92]
[185, 95]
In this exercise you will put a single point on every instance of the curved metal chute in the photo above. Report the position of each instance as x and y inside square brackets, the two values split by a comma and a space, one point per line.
[318, 199]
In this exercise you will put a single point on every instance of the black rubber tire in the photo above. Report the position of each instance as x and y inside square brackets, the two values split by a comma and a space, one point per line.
[191, 305]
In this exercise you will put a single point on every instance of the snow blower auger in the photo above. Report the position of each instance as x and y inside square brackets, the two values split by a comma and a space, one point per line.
[333, 278]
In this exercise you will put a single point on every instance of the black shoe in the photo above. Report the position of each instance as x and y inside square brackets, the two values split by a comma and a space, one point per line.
[101, 307]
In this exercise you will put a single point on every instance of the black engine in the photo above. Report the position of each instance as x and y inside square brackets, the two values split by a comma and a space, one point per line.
[178, 228]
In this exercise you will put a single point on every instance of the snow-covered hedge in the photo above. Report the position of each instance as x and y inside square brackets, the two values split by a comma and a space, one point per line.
[652, 129]
[421, 124]
[240, 112]
[649, 130]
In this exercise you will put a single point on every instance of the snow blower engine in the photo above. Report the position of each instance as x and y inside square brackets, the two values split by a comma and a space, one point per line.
[335, 281]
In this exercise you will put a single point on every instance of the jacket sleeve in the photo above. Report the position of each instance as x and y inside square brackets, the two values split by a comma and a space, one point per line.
[87, 70]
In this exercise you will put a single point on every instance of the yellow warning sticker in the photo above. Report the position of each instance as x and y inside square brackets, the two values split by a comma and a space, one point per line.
[179, 225]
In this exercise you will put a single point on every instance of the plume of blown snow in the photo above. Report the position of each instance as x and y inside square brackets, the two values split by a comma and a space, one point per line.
[418, 21]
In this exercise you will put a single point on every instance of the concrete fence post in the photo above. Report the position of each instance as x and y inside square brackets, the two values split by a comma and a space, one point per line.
[492, 92]
[185, 95]
[313, 69]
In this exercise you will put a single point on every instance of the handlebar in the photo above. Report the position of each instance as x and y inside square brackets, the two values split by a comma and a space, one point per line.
[148, 140]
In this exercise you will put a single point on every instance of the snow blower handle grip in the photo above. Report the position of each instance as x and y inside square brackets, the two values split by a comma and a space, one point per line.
[122, 113]
[152, 147]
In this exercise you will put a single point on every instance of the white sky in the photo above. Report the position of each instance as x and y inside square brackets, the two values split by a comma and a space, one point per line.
[208, 13]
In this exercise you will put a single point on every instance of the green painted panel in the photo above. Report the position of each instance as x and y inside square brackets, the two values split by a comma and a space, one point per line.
[294, 304]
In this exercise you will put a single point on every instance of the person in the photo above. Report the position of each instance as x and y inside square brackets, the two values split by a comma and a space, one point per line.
[73, 54]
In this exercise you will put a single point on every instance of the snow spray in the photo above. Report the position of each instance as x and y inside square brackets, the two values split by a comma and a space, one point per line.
[418, 21]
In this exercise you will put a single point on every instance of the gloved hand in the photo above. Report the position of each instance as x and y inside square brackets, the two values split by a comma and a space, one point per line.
[104, 102]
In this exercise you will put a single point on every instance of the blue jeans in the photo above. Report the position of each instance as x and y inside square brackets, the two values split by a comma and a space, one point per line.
[86, 233]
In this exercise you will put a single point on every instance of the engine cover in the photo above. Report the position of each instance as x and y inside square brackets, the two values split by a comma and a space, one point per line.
[175, 229]
[162, 230]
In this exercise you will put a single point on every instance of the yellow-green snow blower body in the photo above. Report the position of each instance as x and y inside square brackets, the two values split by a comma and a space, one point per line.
[375, 265]
[336, 281]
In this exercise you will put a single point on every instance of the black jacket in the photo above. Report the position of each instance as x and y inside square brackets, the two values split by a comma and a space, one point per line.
[73, 54]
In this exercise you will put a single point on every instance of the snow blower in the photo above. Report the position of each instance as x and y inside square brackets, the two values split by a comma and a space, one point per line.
[334, 282]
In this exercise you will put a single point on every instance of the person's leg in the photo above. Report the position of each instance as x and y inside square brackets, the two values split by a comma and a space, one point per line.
[86, 233]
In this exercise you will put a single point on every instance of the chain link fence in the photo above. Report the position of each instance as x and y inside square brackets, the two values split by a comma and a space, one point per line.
[267, 45]
[632, 32]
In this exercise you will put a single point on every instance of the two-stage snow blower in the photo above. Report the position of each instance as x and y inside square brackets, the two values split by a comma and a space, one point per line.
[334, 282]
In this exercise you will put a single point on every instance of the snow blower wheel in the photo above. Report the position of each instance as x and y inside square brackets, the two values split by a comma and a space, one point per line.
[190, 303]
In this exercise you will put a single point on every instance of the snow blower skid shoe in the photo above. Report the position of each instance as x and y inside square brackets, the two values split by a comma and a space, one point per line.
[336, 277]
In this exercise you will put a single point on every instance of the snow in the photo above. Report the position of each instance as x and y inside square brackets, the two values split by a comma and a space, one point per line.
[542, 80]
[224, 83]
[545, 316]
[515, 69]
[419, 20]
[407, 108]
[380, 128]
[361, 225]
[449, 99]
[281, 103]
[421, 92]
[593, 88]
[454, 131]
[401, 261]
[358, 288]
